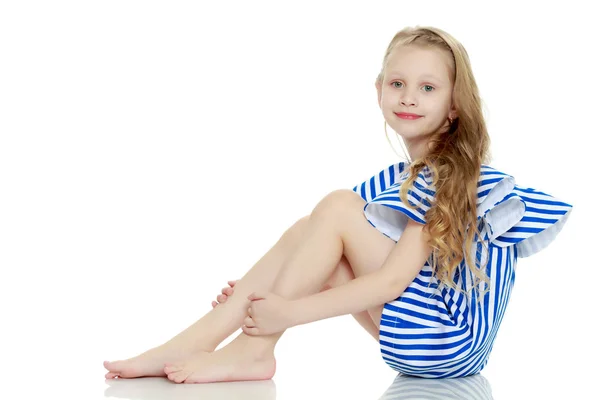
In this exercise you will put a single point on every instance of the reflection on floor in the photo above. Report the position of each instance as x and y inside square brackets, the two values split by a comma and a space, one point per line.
[403, 387]
[474, 387]
[162, 388]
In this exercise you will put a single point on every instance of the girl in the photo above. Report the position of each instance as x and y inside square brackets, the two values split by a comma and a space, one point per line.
[422, 254]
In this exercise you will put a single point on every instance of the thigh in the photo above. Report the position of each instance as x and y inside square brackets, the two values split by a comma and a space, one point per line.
[365, 248]
[375, 314]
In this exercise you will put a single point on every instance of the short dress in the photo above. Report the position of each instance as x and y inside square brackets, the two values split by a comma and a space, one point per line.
[432, 330]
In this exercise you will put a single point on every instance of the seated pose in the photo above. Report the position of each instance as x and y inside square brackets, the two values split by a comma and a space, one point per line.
[422, 254]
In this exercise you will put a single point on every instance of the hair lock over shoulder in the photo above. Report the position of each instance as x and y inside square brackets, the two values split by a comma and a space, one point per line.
[454, 160]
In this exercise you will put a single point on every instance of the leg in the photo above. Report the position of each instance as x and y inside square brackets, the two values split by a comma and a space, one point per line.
[217, 325]
[337, 228]
[342, 275]
[340, 231]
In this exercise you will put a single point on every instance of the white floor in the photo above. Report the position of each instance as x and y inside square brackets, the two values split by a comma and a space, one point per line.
[311, 365]
[473, 388]
[323, 382]
[477, 387]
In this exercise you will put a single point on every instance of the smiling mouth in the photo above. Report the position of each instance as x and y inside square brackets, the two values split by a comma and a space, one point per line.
[407, 116]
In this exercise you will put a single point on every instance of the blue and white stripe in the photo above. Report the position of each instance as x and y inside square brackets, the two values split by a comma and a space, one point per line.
[431, 330]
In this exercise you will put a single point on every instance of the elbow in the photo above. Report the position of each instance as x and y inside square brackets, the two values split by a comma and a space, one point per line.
[395, 288]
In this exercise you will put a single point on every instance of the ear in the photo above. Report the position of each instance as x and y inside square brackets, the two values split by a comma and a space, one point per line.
[453, 113]
[378, 87]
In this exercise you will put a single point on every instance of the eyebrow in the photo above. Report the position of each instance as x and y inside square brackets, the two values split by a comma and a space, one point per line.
[430, 76]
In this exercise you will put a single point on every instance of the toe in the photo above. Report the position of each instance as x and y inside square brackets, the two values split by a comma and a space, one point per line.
[172, 368]
[179, 377]
[112, 365]
[111, 375]
[175, 377]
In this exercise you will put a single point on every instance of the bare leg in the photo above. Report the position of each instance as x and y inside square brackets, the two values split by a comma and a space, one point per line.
[342, 275]
[337, 228]
[217, 325]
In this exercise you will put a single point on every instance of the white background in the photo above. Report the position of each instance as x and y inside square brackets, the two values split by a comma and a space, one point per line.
[151, 151]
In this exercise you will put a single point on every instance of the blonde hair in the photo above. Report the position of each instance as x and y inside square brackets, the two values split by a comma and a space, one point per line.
[454, 159]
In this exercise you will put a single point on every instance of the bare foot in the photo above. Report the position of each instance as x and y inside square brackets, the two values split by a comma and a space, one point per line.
[150, 363]
[231, 363]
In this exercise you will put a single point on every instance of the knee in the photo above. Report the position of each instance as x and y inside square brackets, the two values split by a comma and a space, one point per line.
[301, 224]
[294, 232]
[338, 201]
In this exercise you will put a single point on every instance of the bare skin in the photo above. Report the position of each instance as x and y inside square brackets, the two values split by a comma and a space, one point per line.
[209, 331]
[337, 228]
[225, 292]
[342, 275]
[200, 339]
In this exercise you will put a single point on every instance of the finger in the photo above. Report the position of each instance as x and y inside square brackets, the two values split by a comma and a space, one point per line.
[232, 283]
[255, 296]
[227, 290]
[220, 298]
[214, 304]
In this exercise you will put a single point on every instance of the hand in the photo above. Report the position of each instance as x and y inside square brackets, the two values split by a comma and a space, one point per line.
[227, 291]
[268, 314]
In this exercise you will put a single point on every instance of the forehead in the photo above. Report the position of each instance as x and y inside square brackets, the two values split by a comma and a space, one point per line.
[419, 62]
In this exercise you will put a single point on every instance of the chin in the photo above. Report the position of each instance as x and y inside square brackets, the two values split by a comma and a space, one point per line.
[409, 134]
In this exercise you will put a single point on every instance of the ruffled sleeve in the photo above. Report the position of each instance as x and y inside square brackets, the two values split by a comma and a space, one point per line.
[389, 214]
[509, 215]
[379, 182]
[514, 216]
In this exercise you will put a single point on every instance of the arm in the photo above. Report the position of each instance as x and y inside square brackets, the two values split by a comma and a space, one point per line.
[397, 272]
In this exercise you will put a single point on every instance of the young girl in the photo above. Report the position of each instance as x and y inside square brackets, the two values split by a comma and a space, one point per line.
[422, 254]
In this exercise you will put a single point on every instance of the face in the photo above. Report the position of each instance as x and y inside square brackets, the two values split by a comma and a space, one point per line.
[417, 81]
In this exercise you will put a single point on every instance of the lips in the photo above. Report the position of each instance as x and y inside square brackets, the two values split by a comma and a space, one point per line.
[407, 115]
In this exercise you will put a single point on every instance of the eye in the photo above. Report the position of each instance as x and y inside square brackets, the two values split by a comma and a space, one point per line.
[431, 88]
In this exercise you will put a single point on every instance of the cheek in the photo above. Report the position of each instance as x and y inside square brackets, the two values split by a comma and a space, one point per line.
[436, 112]
[385, 100]
[388, 105]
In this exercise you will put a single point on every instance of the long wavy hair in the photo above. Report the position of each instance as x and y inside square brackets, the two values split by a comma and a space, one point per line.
[454, 158]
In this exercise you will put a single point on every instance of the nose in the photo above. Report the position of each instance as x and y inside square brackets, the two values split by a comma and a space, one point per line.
[407, 99]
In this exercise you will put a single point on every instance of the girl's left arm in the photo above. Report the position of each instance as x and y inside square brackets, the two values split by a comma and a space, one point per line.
[384, 285]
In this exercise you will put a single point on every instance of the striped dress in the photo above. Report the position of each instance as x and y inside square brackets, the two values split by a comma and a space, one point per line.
[432, 330]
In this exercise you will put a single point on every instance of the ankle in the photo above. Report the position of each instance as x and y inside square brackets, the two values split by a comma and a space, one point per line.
[263, 353]
[260, 348]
